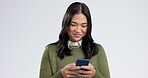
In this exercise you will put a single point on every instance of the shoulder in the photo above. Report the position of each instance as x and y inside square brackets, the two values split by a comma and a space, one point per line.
[51, 47]
[98, 44]
[100, 47]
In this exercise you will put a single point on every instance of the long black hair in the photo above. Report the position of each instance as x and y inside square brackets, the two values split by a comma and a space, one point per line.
[88, 46]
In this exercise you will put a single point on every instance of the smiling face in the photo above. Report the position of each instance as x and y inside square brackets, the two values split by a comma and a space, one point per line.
[78, 27]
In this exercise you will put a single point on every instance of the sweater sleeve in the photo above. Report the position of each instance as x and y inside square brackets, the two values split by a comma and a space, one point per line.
[103, 70]
[45, 69]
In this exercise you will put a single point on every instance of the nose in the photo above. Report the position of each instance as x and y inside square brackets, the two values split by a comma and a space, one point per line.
[78, 29]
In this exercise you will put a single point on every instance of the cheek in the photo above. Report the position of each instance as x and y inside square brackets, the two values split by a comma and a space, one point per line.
[71, 29]
[85, 31]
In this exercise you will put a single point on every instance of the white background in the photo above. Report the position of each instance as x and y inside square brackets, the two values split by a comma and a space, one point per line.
[27, 26]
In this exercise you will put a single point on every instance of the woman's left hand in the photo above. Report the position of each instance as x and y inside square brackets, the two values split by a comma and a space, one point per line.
[87, 71]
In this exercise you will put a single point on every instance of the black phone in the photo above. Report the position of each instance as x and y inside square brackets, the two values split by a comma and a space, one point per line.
[82, 62]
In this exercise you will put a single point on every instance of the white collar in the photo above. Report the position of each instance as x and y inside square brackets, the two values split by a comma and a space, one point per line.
[70, 43]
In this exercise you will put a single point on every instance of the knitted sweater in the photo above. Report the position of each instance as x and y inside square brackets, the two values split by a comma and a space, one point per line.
[51, 64]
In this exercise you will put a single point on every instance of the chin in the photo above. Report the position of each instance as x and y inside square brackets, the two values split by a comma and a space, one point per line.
[77, 40]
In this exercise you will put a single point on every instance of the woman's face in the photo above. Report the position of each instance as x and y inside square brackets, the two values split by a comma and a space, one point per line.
[78, 27]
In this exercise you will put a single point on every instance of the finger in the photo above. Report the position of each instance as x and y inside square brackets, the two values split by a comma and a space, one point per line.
[89, 67]
[69, 76]
[71, 64]
[71, 73]
[73, 67]
[86, 67]
[85, 72]
[84, 76]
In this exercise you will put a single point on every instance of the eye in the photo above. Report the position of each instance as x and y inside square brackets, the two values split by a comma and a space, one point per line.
[73, 24]
[84, 26]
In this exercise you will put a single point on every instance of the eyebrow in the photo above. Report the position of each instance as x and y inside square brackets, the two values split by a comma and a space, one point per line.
[76, 22]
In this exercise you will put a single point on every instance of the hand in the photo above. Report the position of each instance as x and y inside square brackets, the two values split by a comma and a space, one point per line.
[70, 70]
[88, 71]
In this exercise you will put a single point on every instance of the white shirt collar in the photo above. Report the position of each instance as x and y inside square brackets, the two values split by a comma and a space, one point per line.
[70, 43]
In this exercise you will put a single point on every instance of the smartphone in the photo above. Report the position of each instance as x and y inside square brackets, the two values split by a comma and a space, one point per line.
[82, 62]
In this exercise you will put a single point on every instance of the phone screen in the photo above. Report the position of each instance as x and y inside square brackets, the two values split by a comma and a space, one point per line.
[82, 62]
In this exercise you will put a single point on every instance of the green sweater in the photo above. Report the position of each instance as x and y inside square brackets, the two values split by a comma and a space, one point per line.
[51, 64]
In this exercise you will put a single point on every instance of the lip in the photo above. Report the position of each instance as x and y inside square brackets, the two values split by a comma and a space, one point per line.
[77, 35]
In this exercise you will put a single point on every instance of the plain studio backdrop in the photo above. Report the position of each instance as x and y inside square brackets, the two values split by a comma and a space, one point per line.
[27, 26]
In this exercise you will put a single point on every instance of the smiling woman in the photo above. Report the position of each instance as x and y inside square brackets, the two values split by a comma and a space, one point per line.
[78, 27]
[59, 58]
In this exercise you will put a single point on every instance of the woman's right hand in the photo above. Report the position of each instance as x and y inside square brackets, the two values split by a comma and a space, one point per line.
[70, 70]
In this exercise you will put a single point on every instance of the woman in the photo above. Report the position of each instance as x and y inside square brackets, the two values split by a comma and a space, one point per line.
[75, 42]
